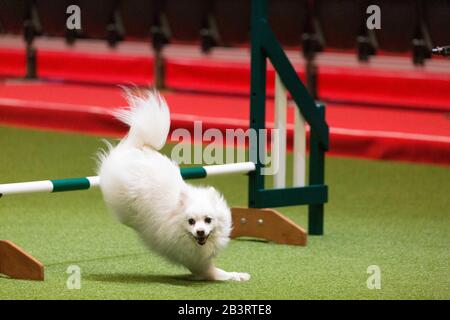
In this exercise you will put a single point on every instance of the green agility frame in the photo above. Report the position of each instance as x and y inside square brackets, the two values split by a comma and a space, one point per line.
[265, 45]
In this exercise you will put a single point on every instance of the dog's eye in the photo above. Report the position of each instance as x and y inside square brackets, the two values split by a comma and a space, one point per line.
[191, 221]
[208, 220]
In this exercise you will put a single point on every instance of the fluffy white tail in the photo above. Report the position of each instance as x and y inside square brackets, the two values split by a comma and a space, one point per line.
[148, 117]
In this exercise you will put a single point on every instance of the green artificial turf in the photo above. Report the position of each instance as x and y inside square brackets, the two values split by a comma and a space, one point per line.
[393, 215]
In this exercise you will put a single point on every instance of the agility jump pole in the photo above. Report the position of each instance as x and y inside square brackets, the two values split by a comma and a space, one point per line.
[85, 183]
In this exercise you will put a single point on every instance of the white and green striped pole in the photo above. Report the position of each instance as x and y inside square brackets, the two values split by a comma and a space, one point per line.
[84, 183]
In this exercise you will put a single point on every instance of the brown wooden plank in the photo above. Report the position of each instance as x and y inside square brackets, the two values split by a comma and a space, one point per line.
[17, 264]
[267, 224]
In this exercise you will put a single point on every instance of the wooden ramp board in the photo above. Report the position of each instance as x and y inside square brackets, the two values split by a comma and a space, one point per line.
[267, 224]
[17, 264]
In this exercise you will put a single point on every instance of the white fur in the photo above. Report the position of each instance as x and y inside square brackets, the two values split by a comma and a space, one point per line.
[145, 191]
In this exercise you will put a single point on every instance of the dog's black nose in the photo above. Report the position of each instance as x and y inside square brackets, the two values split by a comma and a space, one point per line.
[200, 233]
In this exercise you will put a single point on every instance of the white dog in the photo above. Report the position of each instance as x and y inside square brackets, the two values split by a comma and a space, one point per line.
[186, 224]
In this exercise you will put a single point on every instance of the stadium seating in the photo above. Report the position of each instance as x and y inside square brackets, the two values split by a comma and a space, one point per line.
[407, 25]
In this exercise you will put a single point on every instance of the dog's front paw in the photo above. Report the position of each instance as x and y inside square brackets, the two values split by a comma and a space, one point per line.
[239, 276]
[221, 275]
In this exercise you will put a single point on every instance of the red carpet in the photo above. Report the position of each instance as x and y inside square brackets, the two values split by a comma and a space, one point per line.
[81, 67]
[362, 85]
[386, 109]
[381, 133]
[385, 81]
